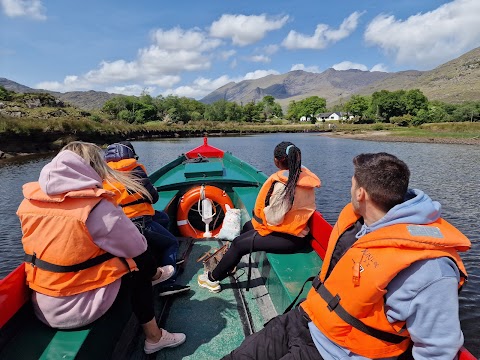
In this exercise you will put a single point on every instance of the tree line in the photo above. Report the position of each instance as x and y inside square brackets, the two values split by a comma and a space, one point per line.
[408, 107]
[402, 107]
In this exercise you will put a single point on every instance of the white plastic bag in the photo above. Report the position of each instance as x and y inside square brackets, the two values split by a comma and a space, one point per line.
[231, 224]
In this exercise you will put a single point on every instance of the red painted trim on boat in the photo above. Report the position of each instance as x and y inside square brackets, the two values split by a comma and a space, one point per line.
[320, 230]
[205, 150]
[464, 354]
[14, 293]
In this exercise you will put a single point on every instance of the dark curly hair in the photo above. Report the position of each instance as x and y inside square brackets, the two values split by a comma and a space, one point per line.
[383, 176]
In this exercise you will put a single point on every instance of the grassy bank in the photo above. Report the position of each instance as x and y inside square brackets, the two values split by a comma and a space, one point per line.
[463, 130]
[29, 135]
[466, 133]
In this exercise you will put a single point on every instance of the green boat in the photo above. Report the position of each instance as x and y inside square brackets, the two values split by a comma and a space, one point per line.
[215, 324]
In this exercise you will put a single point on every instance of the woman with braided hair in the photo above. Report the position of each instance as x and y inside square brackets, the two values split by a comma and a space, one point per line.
[280, 217]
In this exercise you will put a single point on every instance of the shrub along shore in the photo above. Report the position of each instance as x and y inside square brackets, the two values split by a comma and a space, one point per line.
[22, 137]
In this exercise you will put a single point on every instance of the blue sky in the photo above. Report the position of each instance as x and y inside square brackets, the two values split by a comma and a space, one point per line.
[190, 48]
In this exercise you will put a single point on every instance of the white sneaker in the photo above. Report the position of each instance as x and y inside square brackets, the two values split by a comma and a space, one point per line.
[213, 286]
[167, 340]
[166, 273]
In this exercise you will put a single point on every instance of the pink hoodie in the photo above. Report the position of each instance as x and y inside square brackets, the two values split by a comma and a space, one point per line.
[110, 229]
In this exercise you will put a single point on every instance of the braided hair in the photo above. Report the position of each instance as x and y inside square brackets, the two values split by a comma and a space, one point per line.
[290, 157]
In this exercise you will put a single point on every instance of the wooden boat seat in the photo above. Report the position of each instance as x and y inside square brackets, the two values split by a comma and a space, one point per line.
[111, 334]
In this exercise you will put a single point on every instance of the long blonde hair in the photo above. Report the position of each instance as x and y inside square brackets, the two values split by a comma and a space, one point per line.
[93, 155]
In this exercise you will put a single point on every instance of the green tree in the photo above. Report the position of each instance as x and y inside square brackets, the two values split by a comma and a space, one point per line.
[414, 101]
[313, 105]
[467, 112]
[357, 105]
[5, 95]
[251, 112]
[387, 104]
[233, 112]
[269, 107]
[216, 111]
[293, 111]
[113, 106]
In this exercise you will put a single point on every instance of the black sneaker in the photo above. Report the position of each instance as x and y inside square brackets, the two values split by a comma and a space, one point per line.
[180, 261]
[173, 289]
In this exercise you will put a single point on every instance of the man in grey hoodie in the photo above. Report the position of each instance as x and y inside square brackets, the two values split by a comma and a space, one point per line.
[363, 307]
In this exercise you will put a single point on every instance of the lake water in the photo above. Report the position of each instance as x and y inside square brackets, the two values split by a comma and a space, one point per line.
[448, 173]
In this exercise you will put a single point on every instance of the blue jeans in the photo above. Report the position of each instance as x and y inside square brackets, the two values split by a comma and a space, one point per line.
[162, 218]
[164, 246]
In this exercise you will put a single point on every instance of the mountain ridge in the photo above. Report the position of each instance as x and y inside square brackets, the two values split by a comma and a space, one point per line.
[455, 81]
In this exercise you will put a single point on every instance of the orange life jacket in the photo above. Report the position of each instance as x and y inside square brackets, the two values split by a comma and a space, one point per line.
[55, 237]
[357, 284]
[303, 207]
[133, 204]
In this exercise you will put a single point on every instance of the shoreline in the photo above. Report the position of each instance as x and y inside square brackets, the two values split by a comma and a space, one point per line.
[368, 135]
[385, 135]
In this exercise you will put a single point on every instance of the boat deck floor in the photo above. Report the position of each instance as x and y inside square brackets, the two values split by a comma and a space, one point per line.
[215, 323]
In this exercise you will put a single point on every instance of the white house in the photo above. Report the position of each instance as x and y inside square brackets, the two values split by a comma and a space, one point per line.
[329, 116]
[305, 118]
[333, 116]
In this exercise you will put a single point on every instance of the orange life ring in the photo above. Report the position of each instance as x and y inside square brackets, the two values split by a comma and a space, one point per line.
[191, 198]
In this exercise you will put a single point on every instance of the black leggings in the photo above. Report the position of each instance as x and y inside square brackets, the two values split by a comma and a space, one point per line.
[276, 243]
[139, 287]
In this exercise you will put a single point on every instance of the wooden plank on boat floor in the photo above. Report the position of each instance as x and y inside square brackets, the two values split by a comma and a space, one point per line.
[212, 322]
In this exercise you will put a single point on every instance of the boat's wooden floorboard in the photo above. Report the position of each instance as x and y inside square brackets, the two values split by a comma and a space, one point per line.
[214, 324]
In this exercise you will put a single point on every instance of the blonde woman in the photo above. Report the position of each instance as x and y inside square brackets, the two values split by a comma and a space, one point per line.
[82, 252]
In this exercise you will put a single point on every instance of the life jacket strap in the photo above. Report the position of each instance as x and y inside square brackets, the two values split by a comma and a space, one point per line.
[45, 265]
[136, 202]
[333, 304]
[257, 219]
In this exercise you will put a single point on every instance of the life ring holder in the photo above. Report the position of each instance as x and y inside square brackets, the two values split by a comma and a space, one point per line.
[191, 198]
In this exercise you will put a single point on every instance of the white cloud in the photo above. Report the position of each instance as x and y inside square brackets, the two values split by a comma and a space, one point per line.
[428, 39]
[271, 49]
[259, 58]
[135, 90]
[173, 52]
[347, 65]
[379, 67]
[164, 81]
[243, 29]
[312, 69]
[179, 39]
[28, 8]
[200, 87]
[257, 74]
[225, 55]
[323, 35]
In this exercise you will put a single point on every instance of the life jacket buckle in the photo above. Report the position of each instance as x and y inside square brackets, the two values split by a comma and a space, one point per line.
[34, 258]
[333, 303]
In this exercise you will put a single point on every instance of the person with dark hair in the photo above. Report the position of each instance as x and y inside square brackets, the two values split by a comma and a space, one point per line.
[389, 283]
[153, 224]
[280, 216]
[82, 255]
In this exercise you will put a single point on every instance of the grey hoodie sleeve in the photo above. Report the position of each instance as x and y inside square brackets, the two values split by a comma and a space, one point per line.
[425, 295]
